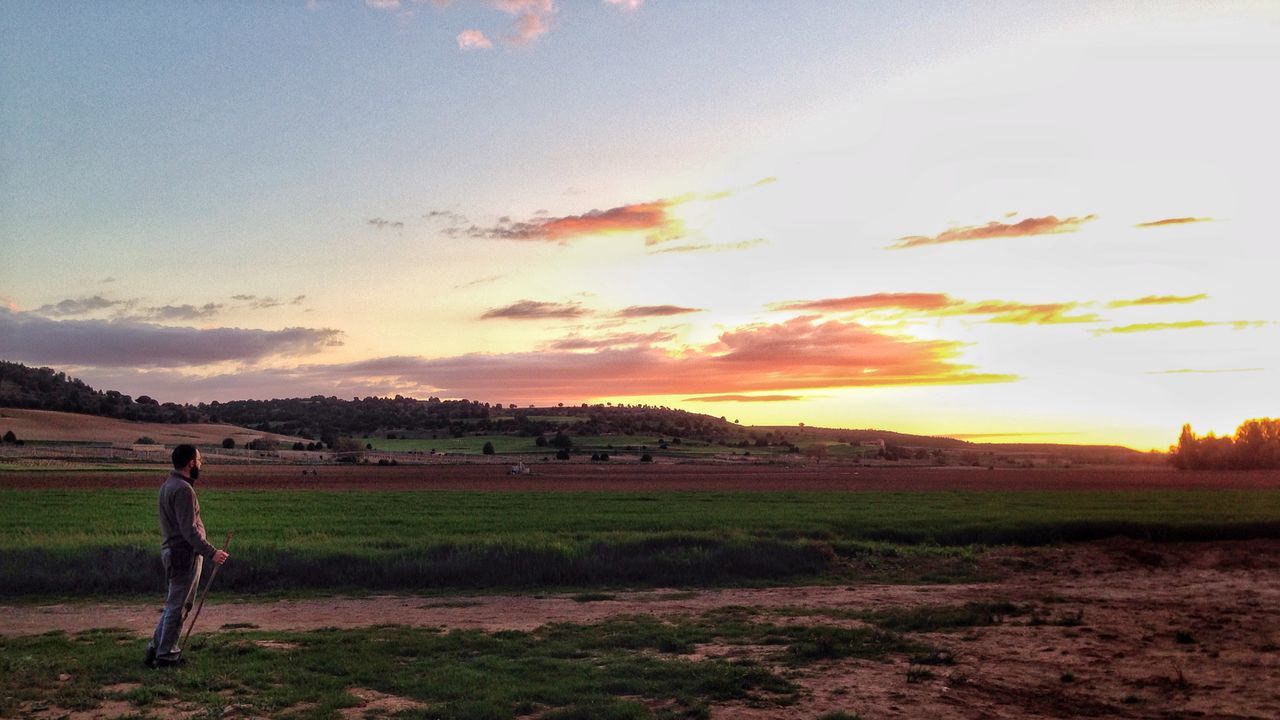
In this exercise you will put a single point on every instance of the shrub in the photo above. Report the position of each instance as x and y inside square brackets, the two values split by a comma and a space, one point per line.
[540, 441]
[562, 455]
[299, 446]
[144, 440]
[9, 437]
[487, 449]
[228, 444]
[646, 458]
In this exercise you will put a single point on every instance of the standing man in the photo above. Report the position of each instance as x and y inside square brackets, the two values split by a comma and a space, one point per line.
[183, 554]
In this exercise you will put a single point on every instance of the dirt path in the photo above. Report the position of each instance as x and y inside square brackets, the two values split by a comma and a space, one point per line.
[1127, 630]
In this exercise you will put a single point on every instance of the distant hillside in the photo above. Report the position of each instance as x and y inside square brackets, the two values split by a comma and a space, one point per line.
[327, 418]
[37, 425]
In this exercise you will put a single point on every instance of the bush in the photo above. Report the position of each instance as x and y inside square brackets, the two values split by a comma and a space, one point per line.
[562, 455]
[646, 458]
[9, 437]
[144, 440]
[540, 441]
[228, 444]
[487, 449]
[299, 446]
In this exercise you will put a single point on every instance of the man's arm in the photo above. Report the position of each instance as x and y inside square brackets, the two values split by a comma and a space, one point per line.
[185, 510]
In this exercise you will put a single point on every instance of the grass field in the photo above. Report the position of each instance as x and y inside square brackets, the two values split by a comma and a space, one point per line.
[69, 541]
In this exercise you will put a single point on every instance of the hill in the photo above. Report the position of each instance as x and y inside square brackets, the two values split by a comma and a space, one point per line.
[48, 425]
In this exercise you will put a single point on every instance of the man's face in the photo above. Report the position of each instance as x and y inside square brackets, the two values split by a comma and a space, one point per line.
[193, 471]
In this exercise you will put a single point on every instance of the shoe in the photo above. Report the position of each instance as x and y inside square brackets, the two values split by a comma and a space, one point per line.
[150, 659]
[174, 663]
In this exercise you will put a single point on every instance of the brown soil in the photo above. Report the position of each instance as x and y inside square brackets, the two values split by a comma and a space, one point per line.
[637, 477]
[1163, 631]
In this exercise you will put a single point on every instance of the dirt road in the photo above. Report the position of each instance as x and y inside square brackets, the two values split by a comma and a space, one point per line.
[1114, 629]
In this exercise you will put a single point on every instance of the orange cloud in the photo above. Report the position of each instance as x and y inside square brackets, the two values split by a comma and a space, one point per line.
[648, 311]
[653, 219]
[1048, 225]
[1181, 325]
[876, 301]
[1158, 300]
[535, 310]
[746, 398]
[1173, 221]
[799, 354]
[533, 18]
[941, 304]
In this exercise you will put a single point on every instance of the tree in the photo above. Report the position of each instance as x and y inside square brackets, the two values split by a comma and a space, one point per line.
[646, 458]
[562, 454]
[562, 441]
[487, 449]
[228, 444]
[9, 437]
[540, 441]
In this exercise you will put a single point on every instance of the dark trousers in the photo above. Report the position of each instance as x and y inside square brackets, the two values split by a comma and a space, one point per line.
[182, 582]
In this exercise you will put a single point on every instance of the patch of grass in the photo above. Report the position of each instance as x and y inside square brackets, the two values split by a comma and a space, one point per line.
[95, 542]
[587, 597]
[570, 671]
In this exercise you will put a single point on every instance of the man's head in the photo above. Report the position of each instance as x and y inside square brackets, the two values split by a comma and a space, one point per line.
[186, 460]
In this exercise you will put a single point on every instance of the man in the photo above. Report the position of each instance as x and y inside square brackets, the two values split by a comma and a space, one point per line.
[183, 554]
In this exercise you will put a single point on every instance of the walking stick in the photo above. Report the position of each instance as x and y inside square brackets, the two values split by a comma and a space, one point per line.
[205, 594]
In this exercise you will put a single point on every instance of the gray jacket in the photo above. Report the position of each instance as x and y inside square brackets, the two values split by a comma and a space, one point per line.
[180, 523]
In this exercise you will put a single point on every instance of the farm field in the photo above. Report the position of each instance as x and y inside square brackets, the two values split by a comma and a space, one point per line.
[636, 591]
[44, 425]
[514, 444]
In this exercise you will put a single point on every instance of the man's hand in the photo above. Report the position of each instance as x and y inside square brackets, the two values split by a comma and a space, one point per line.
[219, 557]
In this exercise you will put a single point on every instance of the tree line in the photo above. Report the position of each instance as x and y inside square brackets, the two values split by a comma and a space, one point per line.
[1255, 445]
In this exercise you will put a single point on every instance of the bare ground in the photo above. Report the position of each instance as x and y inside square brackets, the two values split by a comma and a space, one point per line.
[1129, 630]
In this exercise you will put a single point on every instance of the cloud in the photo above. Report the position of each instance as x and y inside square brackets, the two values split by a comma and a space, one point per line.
[1157, 300]
[575, 342]
[876, 301]
[473, 40]
[171, 313]
[1048, 225]
[800, 354]
[746, 398]
[941, 305]
[1189, 371]
[1173, 221]
[116, 343]
[383, 4]
[1182, 325]
[714, 247]
[535, 310]
[78, 306]
[652, 219]
[266, 302]
[629, 5]
[383, 223]
[479, 281]
[533, 18]
[648, 311]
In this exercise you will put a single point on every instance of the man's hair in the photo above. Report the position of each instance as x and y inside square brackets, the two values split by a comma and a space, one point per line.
[183, 455]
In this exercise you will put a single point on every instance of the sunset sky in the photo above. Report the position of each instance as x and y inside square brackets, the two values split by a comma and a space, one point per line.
[1002, 221]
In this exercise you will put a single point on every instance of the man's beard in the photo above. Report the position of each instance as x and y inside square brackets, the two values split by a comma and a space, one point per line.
[194, 474]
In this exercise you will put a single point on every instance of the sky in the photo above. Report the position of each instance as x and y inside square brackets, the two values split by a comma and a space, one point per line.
[1002, 221]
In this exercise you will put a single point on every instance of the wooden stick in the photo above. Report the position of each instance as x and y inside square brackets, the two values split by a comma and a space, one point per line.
[205, 594]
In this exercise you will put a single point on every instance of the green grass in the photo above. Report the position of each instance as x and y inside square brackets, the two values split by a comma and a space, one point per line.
[69, 541]
[626, 667]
